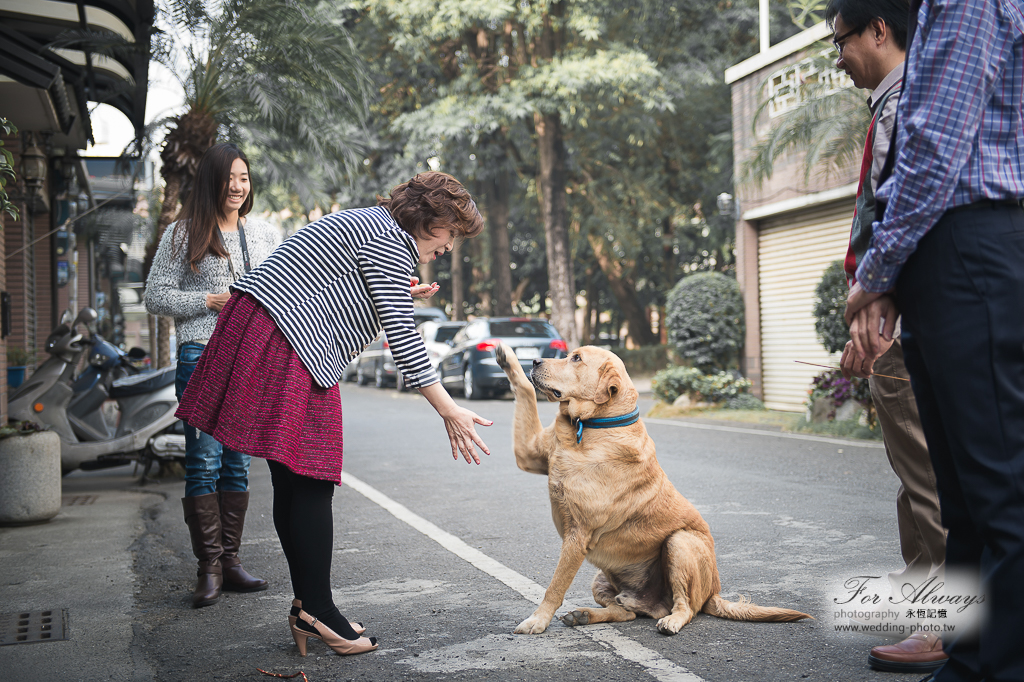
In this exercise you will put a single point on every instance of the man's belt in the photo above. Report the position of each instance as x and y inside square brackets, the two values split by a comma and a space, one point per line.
[990, 204]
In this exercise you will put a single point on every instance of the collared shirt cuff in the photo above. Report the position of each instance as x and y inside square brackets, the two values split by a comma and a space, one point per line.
[422, 380]
[874, 275]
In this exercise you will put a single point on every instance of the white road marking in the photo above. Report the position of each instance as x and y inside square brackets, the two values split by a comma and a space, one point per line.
[659, 667]
[759, 432]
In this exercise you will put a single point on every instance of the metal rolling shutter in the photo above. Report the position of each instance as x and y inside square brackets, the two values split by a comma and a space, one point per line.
[793, 252]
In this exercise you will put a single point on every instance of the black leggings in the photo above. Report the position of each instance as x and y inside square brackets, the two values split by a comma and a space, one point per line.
[305, 525]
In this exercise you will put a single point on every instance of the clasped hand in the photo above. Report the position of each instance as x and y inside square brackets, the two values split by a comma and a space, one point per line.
[872, 319]
[216, 302]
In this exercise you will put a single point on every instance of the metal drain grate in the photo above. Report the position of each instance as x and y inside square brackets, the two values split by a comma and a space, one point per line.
[77, 500]
[35, 626]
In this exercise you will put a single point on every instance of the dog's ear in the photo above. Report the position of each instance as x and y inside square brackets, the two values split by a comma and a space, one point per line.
[609, 383]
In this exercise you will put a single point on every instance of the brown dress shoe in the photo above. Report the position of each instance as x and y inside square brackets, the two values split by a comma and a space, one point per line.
[919, 653]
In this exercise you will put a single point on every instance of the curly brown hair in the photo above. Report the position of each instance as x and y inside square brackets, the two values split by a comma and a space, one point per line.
[432, 201]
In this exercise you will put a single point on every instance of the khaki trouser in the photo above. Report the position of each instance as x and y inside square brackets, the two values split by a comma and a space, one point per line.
[922, 537]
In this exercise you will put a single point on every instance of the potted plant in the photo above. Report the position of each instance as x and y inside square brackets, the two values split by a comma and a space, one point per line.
[30, 477]
[17, 362]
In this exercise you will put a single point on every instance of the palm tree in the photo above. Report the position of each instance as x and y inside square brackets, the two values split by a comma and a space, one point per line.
[283, 78]
[829, 125]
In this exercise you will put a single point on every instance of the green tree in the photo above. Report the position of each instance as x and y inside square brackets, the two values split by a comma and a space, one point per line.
[458, 84]
[281, 76]
[828, 126]
[646, 179]
[510, 65]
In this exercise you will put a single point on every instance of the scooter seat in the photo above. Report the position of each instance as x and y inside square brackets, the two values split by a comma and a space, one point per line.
[143, 383]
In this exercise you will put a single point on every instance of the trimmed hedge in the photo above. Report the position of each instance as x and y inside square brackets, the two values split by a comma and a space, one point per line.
[744, 401]
[829, 307]
[671, 383]
[643, 361]
[704, 317]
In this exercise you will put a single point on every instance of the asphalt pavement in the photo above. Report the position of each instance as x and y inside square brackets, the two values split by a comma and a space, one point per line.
[441, 560]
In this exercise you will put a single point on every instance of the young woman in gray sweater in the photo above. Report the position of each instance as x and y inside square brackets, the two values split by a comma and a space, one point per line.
[213, 243]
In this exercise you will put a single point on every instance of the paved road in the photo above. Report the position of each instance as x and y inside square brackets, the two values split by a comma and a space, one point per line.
[442, 559]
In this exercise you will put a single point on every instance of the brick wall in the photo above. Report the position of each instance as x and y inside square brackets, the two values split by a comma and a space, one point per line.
[43, 250]
[27, 275]
[20, 269]
[789, 179]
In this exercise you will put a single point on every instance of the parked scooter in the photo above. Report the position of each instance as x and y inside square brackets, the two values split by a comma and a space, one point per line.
[102, 421]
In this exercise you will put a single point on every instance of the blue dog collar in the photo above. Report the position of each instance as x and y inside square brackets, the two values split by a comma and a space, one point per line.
[606, 423]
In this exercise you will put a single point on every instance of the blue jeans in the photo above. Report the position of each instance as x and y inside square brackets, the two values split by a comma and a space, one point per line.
[209, 466]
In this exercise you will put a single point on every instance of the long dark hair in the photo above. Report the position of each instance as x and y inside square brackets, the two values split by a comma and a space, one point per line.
[205, 204]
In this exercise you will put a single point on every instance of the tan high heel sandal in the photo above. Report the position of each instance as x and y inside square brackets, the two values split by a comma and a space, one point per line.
[337, 643]
[293, 615]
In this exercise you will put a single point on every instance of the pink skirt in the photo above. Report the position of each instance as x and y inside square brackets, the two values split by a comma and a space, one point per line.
[251, 392]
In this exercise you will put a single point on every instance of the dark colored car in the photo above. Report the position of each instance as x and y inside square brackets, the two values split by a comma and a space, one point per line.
[372, 365]
[376, 364]
[435, 334]
[470, 365]
[380, 364]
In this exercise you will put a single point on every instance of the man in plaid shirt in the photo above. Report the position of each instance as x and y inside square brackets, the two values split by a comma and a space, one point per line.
[949, 256]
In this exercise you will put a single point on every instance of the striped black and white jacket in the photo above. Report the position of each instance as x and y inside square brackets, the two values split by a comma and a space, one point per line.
[333, 285]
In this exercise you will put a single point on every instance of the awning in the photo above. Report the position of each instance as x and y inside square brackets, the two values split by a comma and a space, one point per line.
[29, 60]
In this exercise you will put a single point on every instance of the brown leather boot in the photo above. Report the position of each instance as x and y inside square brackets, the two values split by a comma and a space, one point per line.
[232, 519]
[202, 516]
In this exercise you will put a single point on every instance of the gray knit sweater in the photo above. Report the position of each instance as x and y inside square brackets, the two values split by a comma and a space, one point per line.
[174, 290]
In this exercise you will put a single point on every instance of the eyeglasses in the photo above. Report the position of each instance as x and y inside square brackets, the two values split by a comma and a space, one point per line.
[838, 41]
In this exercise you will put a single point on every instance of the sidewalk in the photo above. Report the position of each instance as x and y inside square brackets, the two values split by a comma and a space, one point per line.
[746, 420]
[79, 562]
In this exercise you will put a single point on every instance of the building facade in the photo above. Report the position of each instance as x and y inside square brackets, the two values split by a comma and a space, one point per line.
[790, 227]
[53, 255]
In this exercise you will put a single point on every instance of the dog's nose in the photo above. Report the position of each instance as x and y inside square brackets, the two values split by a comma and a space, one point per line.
[536, 363]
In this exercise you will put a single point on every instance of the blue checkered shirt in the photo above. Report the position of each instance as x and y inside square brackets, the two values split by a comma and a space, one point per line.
[960, 126]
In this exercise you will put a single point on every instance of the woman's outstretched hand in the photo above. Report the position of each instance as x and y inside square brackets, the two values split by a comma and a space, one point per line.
[459, 422]
[462, 433]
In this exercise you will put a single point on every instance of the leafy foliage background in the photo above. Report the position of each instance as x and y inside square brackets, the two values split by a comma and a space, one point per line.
[705, 320]
[829, 306]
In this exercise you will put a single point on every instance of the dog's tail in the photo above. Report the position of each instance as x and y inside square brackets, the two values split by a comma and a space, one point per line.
[744, 609]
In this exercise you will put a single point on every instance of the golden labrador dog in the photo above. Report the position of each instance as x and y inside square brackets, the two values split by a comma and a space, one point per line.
[613, 504]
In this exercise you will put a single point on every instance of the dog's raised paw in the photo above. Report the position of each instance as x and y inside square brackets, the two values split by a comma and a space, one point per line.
[531, 626]
[502, 353]
[577, 617]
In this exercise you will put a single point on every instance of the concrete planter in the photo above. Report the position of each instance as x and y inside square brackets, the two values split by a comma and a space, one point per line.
[30, 481]
[822, 407]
